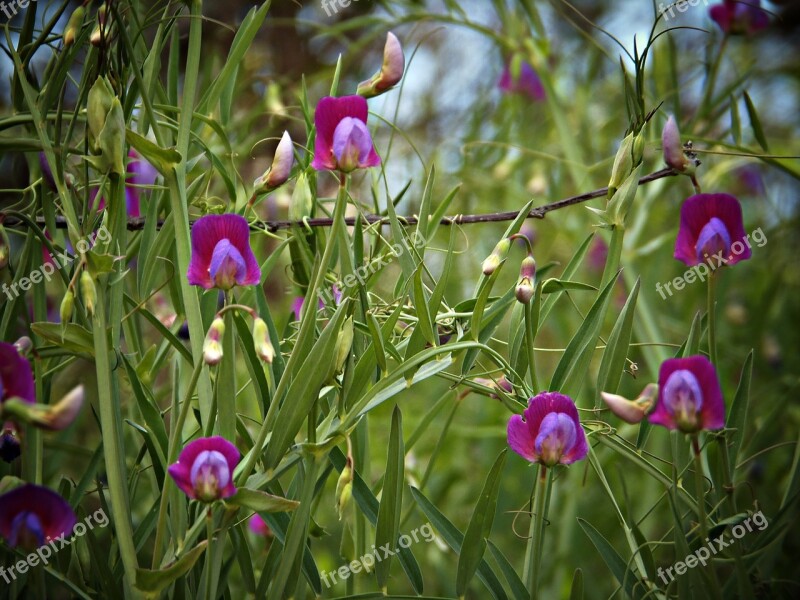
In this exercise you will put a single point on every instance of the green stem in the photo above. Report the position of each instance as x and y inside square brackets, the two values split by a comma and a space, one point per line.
[176, 181]
[700, 486]
[111, 428]
[712, 317]
[308, 320]
[533, 552]
[226, 385]
[172, 455]
[209, 555]
[529, 337]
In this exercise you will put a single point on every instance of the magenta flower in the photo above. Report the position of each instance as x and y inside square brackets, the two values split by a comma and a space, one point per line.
[711, 228]
[527, 83]
[221, 253]
[204, 470]
[739, 16]
[258, 526]
[16, 376]
[16, 381]
[689, 395]
[343, 141]
[32, 515]
[550, 433]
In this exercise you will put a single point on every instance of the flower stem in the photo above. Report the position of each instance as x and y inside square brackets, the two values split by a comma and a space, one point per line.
[111, 429]
[529, 335]
[712, 317]
[172, 455]
[533, 553]
[700, 486]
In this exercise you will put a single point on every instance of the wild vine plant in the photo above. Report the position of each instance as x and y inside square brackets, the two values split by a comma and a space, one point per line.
[307, 386]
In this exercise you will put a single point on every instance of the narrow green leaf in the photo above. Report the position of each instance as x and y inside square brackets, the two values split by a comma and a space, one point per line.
[454, 538]
[613, 363]
[259, 501]
[368, 504]
[511, 576]
[479, 528]
[626, 578]
[737, 417]
[388, 525]
[152, 582]
[304, 389]
[755, 123]
[568, 376]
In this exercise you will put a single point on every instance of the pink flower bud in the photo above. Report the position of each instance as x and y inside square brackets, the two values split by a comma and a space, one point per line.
[281, 168]
[391, 72]
[212, 346]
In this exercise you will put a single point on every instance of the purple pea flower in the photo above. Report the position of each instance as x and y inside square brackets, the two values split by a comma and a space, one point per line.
[204, 470]
[527, 83]
[221, 253]
[343, 141]
[689, 396]
[711, 227]
[16, 381]
[32, 515]
[739, 16]
[550, 433]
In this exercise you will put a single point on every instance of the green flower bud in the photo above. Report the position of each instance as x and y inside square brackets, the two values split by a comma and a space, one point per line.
[497, 256]
[67, 305]
[212, 346]
[623, 164]
[344, 488]
[343, 344]
[98, 104]
[88, 292]
[111, 141]
[73, 26]
[100, 33]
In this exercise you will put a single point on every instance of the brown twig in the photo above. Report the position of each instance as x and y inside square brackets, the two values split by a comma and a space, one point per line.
[138, 223]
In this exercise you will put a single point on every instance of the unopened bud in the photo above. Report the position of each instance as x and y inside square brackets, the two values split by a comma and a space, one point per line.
[100, 32]
[677, 155]
[98, 103]
[24, 345]
[88, 292]
[344, 488]
[394, 64]
[638, 148]
[632, 411]
[344, 342]
[497, 256]
[527, 274]
[280, 170]
[67, 304]
[212, 346]
[53, 418]
[111, 141]
[73, 26]
[623, 163]
[264, 348]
